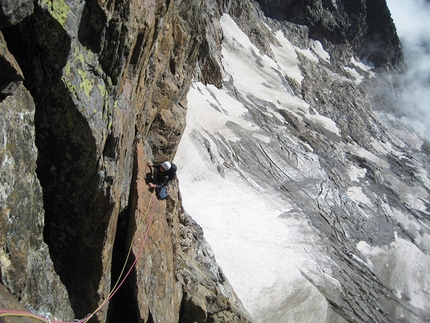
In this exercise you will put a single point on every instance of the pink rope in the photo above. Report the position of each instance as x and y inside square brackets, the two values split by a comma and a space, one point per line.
[42, 318]
[135, 260]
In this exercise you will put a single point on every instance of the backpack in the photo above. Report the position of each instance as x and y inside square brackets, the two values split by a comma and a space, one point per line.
[172, 172]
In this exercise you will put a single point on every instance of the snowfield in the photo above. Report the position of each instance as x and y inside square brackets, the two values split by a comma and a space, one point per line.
[267, 246]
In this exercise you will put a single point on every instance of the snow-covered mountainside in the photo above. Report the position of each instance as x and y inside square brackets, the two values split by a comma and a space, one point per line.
[298, 161]
[313, 194]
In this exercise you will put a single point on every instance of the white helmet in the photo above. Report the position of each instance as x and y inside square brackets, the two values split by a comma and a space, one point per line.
[166, 165]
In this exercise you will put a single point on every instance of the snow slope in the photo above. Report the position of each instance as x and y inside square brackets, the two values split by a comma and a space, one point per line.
[273, 255]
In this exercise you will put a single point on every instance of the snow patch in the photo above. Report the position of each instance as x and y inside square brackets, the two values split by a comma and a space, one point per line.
[256, 73]
[327, 123]
[216, 116]
[416, 202]
[286, 57]
[318, 48]
[396, 263]
[361, 152]
[308, 54]
[363, 66]
[287, 301]
[358, 78]
[334, 3]
[241, 224]
[356, 172]
[356, 194]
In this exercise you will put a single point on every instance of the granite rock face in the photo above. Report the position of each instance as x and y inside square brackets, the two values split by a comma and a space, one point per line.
[91, 91]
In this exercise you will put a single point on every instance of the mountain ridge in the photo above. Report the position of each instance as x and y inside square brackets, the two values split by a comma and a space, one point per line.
[91, 91]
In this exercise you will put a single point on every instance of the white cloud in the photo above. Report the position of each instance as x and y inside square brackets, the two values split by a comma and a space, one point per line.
[412, 20]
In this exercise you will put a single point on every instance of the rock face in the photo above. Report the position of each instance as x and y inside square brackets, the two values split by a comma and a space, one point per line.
[91, 91]
[365, 26]
[24, 256]
[13, 12]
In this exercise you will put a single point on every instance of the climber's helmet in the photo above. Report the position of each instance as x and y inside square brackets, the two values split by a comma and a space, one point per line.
[166, 165]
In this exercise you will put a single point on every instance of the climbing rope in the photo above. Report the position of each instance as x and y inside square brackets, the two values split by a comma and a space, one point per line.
[117, 285]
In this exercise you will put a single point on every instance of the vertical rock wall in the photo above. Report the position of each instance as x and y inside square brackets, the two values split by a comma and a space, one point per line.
[91, 90]
[25, 265]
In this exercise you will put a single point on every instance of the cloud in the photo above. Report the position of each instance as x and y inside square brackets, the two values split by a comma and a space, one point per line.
[412, 20]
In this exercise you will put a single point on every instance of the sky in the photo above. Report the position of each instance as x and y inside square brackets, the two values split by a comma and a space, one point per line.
[412, 20]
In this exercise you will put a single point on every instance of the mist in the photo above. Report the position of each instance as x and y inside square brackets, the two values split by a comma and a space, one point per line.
[412, 20]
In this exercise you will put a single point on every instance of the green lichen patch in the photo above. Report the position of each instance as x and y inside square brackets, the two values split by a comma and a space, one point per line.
[58, 9]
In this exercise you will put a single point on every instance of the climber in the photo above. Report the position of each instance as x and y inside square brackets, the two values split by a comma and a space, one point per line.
[164, 174]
